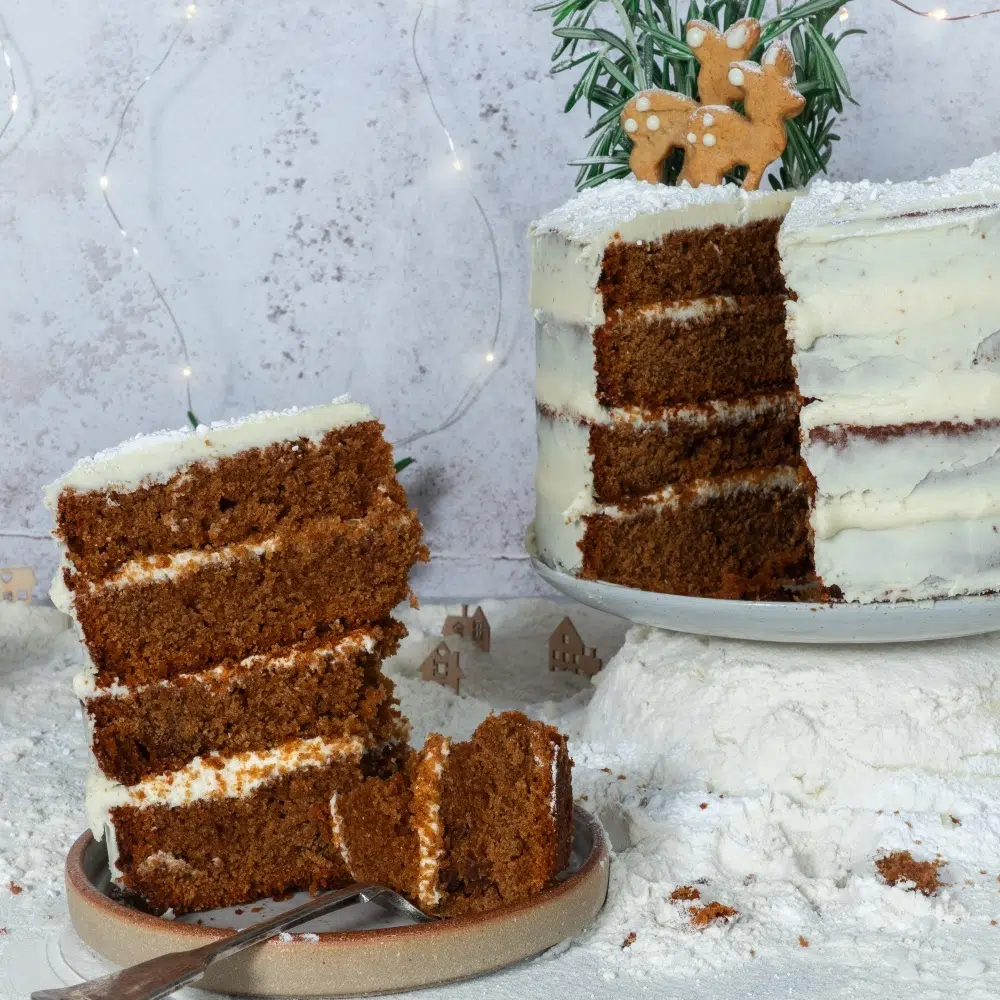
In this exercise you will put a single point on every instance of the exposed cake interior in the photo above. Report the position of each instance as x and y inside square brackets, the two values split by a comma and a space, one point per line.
[323, 687]
[464, 827]
[668, 455]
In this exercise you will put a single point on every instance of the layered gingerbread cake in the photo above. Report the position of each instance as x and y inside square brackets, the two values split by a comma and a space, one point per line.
[463, 827]
[233, 586]
[668, 455]
[692, 442]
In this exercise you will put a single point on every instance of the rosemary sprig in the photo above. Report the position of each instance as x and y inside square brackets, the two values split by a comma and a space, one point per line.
[621, 46]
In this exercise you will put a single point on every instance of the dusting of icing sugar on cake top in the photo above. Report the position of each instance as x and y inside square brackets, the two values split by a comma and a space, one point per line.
[597, 213]
[153, 458]
[910, 203]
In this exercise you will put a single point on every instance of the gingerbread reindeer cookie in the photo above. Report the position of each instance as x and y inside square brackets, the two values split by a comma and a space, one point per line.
[657, 121]
[715, 51]
[721, 138]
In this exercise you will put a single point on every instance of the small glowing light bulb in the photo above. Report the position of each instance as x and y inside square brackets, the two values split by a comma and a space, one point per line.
[489, 357]
[14, 102]
[457, 163]
[6, 58]
[103, 182]
[135, 251]
[843, 15]
[186, 371]
[938, 14]
[190, 11]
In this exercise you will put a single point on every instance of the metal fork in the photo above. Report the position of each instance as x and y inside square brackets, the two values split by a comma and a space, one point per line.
[159, 977]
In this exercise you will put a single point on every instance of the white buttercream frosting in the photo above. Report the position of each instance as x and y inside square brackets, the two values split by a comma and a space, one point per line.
[85, 686]
[427, 820]
[897, 322]
[235, 776]
[155, 458]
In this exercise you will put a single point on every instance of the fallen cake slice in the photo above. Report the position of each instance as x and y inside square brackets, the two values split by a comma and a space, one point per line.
[463, 827]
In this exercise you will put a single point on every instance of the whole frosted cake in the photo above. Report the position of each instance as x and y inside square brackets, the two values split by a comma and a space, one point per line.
[750, 395]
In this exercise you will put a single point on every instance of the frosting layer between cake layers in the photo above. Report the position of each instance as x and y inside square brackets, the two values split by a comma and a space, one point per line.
[896, 329]
[667, 411]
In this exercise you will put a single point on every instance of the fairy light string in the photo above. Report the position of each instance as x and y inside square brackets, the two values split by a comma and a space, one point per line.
[14, 100]
[493, 359]
[935, 14]
[104, 183]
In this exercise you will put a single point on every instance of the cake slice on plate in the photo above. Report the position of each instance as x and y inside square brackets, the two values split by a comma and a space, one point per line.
[233, 586]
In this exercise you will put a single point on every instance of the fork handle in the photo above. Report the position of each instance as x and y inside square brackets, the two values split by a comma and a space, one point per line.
[161, 976]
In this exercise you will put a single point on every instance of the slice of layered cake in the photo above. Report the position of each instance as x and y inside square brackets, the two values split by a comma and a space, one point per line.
[896, 333]
[668, 454]
[233, 586]
[463, 827]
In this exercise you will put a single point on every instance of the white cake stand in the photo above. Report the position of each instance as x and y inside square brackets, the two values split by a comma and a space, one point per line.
[775, 621]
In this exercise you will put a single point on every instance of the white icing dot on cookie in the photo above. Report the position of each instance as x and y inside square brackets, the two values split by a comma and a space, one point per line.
[692, 138]
[695, 37]
[652, 123]
[736, 36]
[642, 104]
[736, 76]
[771, 56]
[708, 139]
[631, 124]
[707, 120]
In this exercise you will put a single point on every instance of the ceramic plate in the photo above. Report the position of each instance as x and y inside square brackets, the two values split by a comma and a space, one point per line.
[358, 950]
[774, 621]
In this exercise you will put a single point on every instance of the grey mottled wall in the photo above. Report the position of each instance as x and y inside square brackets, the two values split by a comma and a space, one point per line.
[288, 184]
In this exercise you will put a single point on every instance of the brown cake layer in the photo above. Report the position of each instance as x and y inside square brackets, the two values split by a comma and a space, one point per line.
[325, 577]
[631, 460]
[225, 851]
[738, 544]
[243, 497]
[328, 687]
[650, 359]
[689, 263]
[502, 841]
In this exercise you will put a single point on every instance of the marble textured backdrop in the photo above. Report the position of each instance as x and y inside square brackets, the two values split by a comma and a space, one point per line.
[289, 185]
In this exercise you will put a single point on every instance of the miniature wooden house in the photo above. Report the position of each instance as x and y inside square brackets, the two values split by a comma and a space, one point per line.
[17, 584]
[567, 651]
[474, 627]
[442, 667]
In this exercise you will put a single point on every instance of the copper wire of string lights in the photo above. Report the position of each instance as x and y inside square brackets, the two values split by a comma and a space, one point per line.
[940, 14]
[493, 361]
[13, 107]
[13, 102]
[104, 183]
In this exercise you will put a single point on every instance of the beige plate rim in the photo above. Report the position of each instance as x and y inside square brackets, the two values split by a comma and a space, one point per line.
[343, 963]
